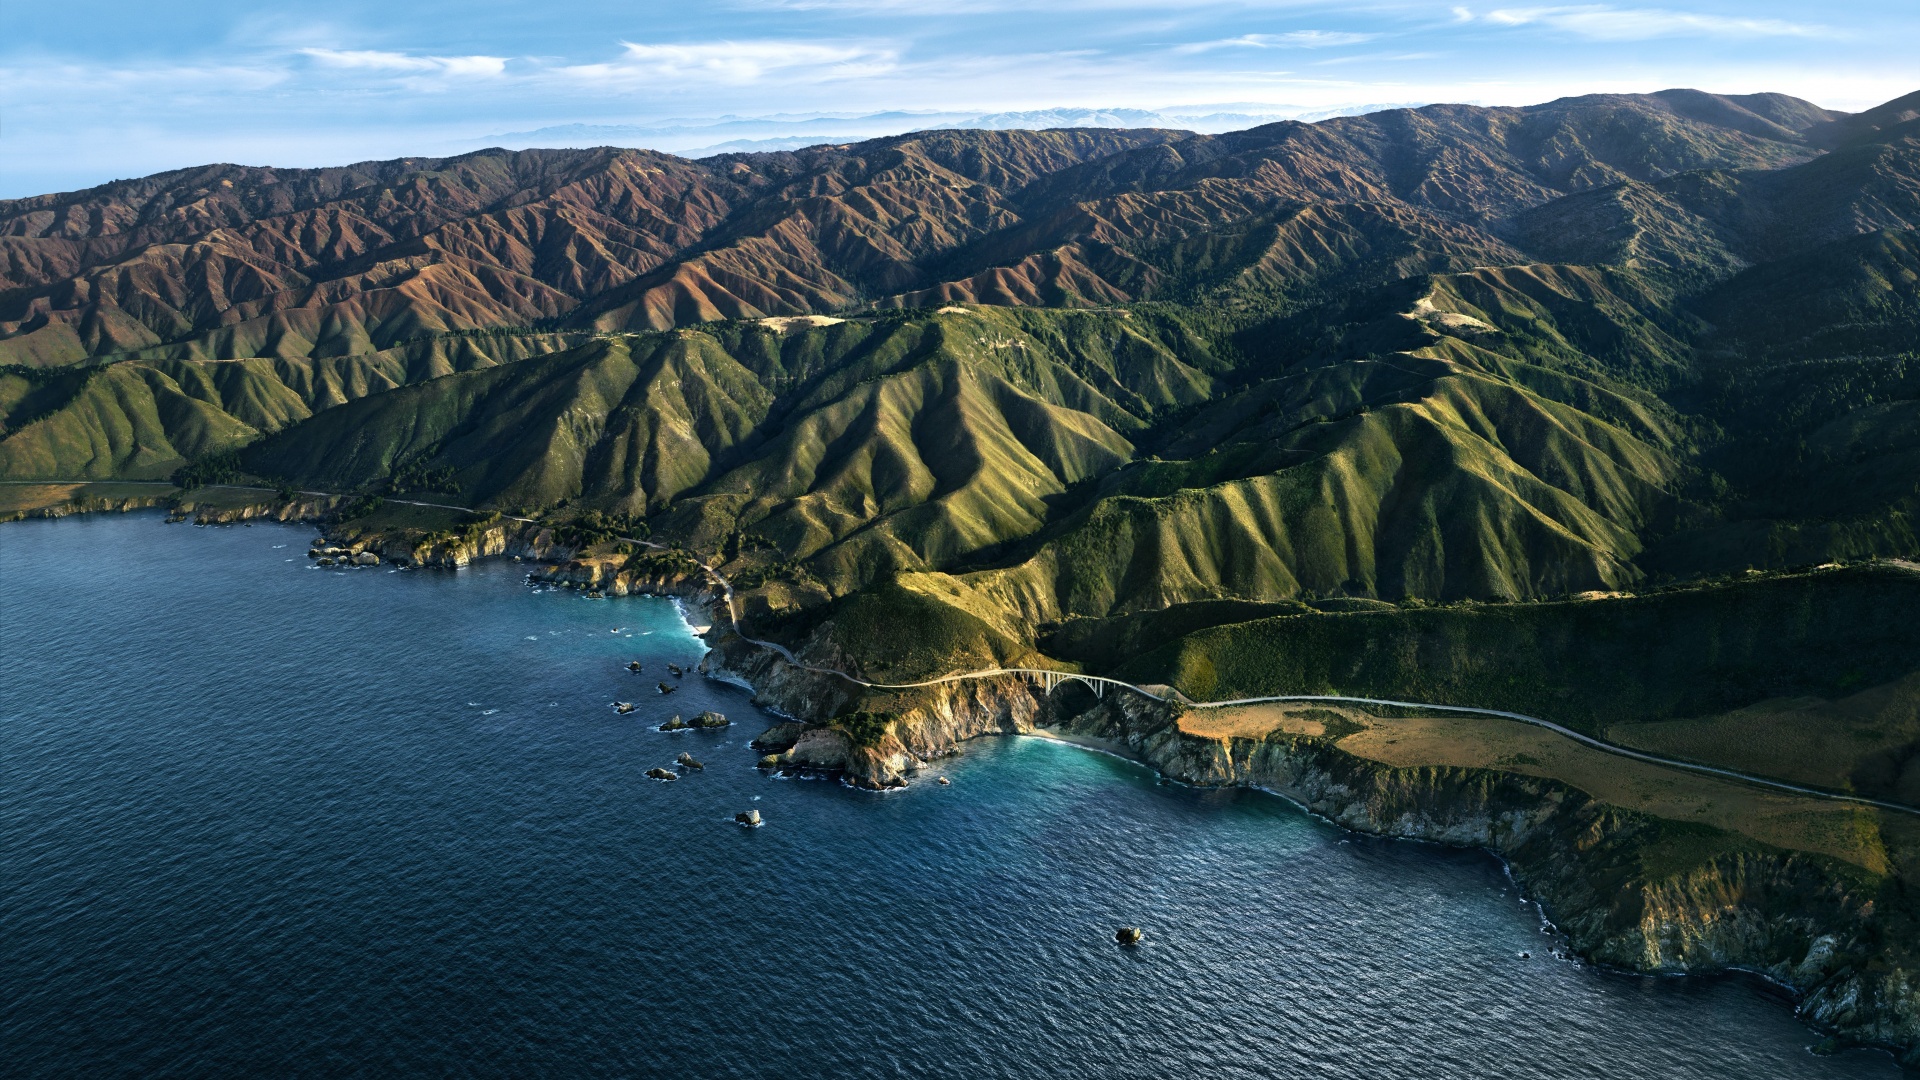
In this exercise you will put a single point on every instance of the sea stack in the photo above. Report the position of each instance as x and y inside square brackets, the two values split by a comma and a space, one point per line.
[1129, 935]
[748, 818]
[663, 774]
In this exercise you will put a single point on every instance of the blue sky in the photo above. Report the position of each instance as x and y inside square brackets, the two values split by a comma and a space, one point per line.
[91, 90]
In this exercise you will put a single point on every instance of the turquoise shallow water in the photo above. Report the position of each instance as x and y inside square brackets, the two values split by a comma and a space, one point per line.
[262, 818]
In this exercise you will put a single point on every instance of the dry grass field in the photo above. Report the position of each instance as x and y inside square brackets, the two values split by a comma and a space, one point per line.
[19, 500]
[1858, 835]
[1862, 741]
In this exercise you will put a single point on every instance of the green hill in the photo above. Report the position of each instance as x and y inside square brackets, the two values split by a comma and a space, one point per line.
[1365, 384]
[1604, 410]
[143, 419]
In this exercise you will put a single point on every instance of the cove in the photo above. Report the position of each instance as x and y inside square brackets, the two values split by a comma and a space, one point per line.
[260, 817]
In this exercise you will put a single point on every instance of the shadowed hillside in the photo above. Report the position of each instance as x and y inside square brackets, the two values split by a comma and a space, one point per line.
[140, 420]
[1605, 410]
[230, 262]
[1430, 355]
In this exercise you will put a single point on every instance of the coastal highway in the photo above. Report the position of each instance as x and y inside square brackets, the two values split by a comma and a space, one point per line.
[1099, 683]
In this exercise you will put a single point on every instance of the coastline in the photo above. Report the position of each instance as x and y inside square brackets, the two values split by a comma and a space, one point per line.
[1089, 743]
[1108, 748]
[1799, 921]
[1744, 916]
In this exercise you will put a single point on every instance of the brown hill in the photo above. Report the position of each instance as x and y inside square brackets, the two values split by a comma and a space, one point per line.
[229, 262]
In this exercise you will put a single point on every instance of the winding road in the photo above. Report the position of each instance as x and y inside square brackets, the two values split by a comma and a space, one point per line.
[1099, 683]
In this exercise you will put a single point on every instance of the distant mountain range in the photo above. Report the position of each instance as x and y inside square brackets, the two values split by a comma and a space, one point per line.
[708, 136]
[1576, 410]
[1448, 352]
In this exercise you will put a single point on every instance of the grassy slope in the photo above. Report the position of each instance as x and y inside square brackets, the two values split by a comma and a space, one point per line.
[1868, 741]
[1586, 664]
[143, 419]
[867, 447]
[1448, 460]
[1509, 432]
[639, 417]
[1715, 815]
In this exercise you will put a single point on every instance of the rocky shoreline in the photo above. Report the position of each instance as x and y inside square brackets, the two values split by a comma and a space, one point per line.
[124, 505]
[1804, 922]
[1807, 923]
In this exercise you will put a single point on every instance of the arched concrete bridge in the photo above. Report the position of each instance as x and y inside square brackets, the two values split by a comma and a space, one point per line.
[1051, 680]
[1098, 684]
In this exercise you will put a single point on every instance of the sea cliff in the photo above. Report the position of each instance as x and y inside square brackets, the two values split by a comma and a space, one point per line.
[87, 505]
[1606, 876]
[627, 575]
[311, 508]
[927, 724]
[1618, 884]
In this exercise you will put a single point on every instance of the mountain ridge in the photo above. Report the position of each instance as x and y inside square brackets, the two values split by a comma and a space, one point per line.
[1606, 409]
[226, 262]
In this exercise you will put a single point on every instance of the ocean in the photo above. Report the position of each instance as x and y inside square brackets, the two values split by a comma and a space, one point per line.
[263, 818]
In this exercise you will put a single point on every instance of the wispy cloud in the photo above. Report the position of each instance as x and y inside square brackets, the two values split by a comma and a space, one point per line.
[113, 87]
[948, 9]
[1292, 39]
[1377, 58]
[1597, 22]
[376, 60]
[740, 62]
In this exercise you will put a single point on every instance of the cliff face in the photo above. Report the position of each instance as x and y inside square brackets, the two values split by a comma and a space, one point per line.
[89, 506]
[930, 723]
[306, 508]
[612, 576]
[1605, 875]
[415, 547]
[1809, 923]
[505, 538]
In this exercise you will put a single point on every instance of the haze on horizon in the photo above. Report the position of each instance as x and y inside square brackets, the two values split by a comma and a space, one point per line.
[94, 90]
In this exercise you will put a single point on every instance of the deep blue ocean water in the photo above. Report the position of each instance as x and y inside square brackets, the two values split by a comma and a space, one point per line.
[260, 818]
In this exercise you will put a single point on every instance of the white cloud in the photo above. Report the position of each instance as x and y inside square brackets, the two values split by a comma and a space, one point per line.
[949, 9]
[1381, 58]
[1601, 23]
[1293, 39]
[740, 62]
[376, 60]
